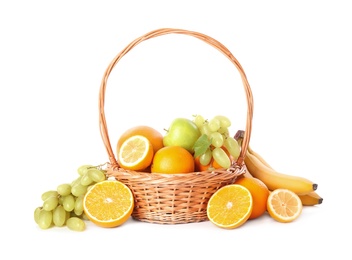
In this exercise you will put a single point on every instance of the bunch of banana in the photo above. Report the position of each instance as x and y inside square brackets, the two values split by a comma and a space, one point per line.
[257, 167]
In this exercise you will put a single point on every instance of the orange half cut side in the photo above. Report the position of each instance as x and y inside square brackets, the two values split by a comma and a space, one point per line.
[230, 206]
[108, 203]
[136, 153]
[284, 205]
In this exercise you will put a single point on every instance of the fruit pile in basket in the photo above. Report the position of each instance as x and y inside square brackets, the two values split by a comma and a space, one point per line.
[187, 145]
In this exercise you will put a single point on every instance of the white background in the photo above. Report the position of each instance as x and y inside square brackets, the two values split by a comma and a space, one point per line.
[297, 57]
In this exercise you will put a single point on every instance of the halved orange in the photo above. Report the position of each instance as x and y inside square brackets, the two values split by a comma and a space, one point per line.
[108, 203]
[284, 205]
[230, 206]
[153, 135]
[136, 153]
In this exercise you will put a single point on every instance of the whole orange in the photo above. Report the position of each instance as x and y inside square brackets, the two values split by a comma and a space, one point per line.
[153, 135]
[259, 192]
[172, 159]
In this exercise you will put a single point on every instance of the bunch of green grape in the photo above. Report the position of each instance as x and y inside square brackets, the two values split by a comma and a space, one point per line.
[64, 205]
[215, 141]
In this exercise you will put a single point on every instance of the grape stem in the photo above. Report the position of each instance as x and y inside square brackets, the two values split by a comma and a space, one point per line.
[100, 166]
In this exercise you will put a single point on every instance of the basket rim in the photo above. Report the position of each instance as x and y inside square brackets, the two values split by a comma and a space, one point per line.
[160, 32]
[234, 171]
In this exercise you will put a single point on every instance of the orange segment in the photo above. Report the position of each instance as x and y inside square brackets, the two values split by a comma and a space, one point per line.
[284, 205]
[230, 206]
[108, 203]
[136, 153]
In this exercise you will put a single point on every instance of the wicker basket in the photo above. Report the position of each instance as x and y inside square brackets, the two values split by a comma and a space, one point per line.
[174, 198]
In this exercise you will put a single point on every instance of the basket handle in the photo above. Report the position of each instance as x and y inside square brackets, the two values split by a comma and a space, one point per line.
[160, 32]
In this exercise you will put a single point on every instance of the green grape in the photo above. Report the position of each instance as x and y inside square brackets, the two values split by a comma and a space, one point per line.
[61, 200]
[68, 215]
[76, 181]
[224, 121]
[73, 214]
[224, 131]
[78, 213]
[78, 190]
[232, 147]
[96, 174]
[48, 194]
[205, 158]
[199, 120]
[45, 219]
[86, 180]
[84, 216]
[204, 130]
[64, 189]
[214, 124]
[76, 224]
[221, 157]
[50, 203]
[59, 216]
[217, 139]
[79, 204]
[37, 213]
[68, 202]
[83, 169]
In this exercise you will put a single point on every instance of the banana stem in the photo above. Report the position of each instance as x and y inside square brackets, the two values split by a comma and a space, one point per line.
[239, 136]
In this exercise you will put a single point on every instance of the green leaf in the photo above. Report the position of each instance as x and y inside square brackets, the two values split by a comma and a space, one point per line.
[201, 145]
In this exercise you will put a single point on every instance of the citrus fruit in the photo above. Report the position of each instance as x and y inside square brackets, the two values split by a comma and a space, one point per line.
[108, 203]
[230, 206]
[198, 167]
[284, 205]
[154, 136]
[136, 153]
[172, 159]
[259, 192]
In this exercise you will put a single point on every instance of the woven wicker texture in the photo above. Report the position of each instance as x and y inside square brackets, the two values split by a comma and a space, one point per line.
[174, 198]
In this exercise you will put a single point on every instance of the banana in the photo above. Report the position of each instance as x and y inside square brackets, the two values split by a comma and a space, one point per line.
[275, 180]
[311, 199]
[260, 158]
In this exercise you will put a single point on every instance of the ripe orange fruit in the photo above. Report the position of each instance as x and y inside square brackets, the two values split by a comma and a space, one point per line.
[284, 205]
[136, 153]
[260, 194]
[172, 159]
[108, 203]
[230, 206]
[154, 136]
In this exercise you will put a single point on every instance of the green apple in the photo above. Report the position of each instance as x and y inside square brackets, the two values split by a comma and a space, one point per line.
[182, 132]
